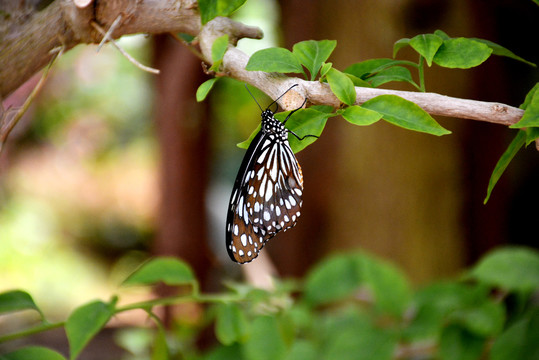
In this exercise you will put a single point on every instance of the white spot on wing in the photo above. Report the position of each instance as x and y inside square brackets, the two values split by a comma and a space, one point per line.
[292, 200]
[269, 190]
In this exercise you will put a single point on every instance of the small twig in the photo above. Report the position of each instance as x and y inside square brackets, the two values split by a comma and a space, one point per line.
[107, 36]
[6, 125]
[122, 51]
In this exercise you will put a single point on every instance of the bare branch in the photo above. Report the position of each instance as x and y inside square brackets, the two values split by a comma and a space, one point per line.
[106, 37]
[122, 51]
[7, 120]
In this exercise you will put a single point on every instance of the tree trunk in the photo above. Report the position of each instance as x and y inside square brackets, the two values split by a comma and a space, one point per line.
[182, 131]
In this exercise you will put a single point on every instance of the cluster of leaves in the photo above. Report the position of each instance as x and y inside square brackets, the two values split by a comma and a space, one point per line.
[351, 306]
[309, 58]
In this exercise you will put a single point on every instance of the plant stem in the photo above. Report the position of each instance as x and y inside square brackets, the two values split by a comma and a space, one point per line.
[34, 330]
[421, 69]
[174, 300]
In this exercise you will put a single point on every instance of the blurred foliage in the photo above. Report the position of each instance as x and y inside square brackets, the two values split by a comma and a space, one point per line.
[80, 191]
[350, 306]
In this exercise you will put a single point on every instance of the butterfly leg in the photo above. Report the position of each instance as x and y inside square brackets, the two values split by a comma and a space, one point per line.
[301, 138]
[293, 111]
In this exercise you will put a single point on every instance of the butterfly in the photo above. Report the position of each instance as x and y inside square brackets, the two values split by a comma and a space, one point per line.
[267, 194]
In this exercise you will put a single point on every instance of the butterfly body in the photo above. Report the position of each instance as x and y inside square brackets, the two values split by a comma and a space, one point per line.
[267, 193]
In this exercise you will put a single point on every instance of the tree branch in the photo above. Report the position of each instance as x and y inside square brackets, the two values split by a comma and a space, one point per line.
[25, 48]
[27, 35]
[319, 93]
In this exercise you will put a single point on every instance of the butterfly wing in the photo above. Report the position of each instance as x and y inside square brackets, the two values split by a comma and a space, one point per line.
[266, 197]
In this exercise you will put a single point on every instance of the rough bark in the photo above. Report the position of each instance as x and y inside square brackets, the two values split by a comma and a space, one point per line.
[28, 35]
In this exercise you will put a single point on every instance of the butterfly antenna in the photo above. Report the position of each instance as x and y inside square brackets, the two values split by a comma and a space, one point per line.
[274, 101]
[254, 98]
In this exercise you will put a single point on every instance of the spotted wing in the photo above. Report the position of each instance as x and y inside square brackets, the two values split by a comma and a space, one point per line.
[266, 197]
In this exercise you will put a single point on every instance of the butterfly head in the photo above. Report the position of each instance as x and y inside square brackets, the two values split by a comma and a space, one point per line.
[270, 125]
[267, 116]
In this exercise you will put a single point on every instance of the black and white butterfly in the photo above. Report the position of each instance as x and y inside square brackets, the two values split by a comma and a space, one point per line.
[267, 193]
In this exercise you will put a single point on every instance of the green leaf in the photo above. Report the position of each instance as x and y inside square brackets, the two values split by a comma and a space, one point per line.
[485, 319]
[399, 44]
[17, 300]
[441, 34]
[274, 60]
[435, 303]
[171, 271]
[519, 341]
[324, 70]
[395, 73]
[160, 347]
[426, 45]
[529, 97]
[31, 353]
[512, 269]
[365, 68]
[210, 9]
[505, 159]
[302, 349]
[224, 353]
[352, 336]
[389, 286]
[531, 114]
[216, 65]
[304, 122]
[341, 86]
[266, 341]
[458, 344]
[204, 89]
[501, 51]
[532, 134]
[219, 47]
[231, 324]
[461, 53]
[404, 113]
[312, 54]
[324, 108]
[357, 81]
[360, 116]
[186, 37]
[333, 279]
[84, 323]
